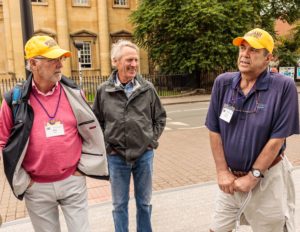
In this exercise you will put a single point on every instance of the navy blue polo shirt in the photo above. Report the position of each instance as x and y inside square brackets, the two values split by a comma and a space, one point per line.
[269, 110]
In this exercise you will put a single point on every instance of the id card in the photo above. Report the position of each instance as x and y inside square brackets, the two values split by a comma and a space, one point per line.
[55, 129]
[227, 113]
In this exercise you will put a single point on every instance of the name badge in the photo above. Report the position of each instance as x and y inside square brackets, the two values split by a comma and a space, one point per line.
[54, 129]
[227, 113]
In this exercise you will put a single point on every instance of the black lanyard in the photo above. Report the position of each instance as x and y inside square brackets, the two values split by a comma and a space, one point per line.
[234, 99]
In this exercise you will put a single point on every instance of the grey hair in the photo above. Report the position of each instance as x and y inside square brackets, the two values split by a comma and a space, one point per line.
[116, 50]
[27, 66]
[266, 52]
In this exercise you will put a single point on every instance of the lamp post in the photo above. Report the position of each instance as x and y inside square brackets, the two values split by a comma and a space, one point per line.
[27, 23]
[79, 46]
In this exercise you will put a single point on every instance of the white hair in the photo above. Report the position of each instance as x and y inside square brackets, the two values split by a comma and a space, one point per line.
[28, 67]
[116, 50]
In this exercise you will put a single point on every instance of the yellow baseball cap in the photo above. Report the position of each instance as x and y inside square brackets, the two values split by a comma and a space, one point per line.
[44, 46]
[257, 38]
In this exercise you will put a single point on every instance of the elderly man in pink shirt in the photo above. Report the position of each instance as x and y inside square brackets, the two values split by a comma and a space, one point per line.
[52, 141]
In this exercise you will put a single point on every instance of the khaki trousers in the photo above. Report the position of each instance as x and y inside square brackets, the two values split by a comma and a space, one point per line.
[271, 207]
[42, 201]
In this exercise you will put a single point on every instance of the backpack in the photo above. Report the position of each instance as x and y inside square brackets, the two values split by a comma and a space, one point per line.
[13, 98]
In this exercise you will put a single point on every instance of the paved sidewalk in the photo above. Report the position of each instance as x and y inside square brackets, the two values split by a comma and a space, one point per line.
[187, 209]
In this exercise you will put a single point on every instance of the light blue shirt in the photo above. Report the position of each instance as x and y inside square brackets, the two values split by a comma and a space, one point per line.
[129, 87]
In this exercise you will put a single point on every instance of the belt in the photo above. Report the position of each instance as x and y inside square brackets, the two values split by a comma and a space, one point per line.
[277, 160]
[241, 173]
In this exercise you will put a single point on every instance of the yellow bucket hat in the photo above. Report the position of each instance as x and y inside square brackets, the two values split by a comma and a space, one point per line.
[44, 46]
[257, 38]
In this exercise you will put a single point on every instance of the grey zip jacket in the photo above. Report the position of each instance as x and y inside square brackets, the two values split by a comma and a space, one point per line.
[130, 125]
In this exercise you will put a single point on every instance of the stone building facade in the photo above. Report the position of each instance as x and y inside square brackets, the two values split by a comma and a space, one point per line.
[95, 24]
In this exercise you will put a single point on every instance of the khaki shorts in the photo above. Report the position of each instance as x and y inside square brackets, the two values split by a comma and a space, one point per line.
[43, 200]
[271, 207]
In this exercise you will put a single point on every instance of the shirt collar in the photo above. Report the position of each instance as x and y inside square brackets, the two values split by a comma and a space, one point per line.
[118, 83]
[262, 82]
[44, 94]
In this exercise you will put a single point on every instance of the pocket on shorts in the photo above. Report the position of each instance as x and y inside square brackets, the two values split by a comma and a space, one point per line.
[30, 189]
[289, 226]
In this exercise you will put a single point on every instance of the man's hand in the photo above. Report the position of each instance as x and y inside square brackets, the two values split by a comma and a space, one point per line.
[30, 184]
[225, 181]
[245, 183]
[77, 173]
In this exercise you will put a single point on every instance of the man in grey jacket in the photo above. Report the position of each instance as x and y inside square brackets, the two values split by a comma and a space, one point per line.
[132, 118]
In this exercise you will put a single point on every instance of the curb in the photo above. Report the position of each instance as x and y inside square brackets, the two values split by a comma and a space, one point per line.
[184, 102]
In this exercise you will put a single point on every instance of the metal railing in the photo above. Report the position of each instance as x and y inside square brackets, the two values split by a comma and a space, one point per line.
[166, 85]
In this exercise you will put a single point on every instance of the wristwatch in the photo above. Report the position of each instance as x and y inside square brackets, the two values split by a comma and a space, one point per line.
[257, 173]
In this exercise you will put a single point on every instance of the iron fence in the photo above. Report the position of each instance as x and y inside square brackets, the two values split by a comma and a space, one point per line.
[166, 85]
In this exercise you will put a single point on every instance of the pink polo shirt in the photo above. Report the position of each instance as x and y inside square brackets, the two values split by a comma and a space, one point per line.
[47, 159]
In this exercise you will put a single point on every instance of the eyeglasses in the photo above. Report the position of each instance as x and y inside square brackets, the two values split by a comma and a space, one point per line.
[56, 60]
[234, 100]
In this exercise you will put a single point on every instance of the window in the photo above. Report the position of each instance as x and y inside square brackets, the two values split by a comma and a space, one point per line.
[81, 2]
[39, 1]
[121, 3]
[84, 47]
[115, 36]
[85, 55]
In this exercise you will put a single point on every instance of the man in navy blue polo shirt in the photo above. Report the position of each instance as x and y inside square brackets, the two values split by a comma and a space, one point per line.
[250, 115]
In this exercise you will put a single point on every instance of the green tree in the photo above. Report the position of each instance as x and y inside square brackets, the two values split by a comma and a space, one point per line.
[193, 35]
[288, 49]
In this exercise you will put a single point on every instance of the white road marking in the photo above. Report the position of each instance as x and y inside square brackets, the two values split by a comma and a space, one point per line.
[179, 123]
[174, 111]
[195, 109]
